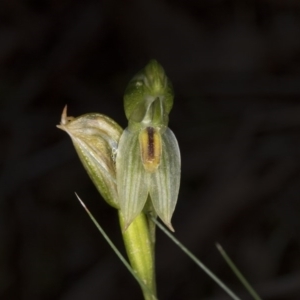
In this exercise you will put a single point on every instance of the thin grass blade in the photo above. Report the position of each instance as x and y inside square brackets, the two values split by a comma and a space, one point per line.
[238, 274]
[115, 249]
[197, 261]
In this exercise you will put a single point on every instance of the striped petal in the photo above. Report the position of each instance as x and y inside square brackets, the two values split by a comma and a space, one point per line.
[164, 185]
[132, 180]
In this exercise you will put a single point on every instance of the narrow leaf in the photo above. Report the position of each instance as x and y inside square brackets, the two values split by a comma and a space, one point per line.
[144, 287]
[238, 274]
[196, 261]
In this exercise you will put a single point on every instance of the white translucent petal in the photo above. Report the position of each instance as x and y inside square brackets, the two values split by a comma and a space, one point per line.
[132, 180]
[164, 185]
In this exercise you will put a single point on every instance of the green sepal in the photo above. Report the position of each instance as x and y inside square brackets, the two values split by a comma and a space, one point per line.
[95, 138]
[132, 181]
[165, 182]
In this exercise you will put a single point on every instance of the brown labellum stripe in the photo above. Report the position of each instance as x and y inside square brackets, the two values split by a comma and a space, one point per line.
[150, 148]
[150, 131]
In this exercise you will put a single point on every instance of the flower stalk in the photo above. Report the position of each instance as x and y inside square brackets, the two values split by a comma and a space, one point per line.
[140, 251]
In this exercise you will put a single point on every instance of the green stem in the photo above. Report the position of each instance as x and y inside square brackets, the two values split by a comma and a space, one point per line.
[140, 251]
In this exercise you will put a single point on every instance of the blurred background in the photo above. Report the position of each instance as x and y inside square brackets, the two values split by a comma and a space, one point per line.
[235, 67]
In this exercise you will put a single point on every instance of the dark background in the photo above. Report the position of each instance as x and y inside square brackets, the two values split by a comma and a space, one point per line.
[235, 67]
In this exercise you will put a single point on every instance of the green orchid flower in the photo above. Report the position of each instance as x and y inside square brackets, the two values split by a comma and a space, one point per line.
[148, 156]
[128, 167]
[95, 138]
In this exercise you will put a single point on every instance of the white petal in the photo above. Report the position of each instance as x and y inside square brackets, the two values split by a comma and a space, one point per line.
[132, 180]
[165, 181]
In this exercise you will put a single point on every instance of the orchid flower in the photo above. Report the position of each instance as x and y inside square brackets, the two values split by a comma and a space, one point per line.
[148, 157]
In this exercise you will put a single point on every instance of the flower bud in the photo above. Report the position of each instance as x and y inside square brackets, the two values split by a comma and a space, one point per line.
[95, 138]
